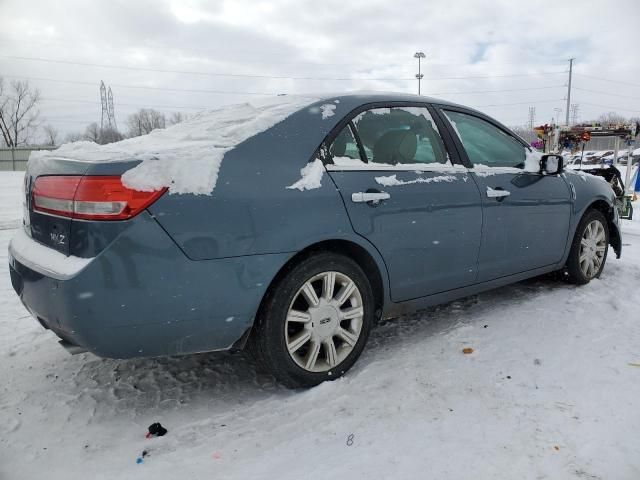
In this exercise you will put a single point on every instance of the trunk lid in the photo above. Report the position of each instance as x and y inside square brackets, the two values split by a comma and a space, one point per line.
[69, 236]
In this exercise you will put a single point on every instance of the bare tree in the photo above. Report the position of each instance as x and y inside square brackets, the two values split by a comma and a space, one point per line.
[109, 135]
[611, 118]
[18, 112]
[177, 117]
[144, 121]
[74, 137]
[92, 133]
[50, 135]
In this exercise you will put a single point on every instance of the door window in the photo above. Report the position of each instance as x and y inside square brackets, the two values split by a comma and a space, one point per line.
[344, 149]
[485, 143]
[397, 135]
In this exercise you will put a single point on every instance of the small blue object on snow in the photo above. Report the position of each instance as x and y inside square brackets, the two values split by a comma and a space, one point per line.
[139, 460]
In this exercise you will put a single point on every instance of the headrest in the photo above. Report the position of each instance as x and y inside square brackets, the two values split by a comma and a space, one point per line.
[396, 146]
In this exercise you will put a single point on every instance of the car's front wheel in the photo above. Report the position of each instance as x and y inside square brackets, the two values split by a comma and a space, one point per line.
[589, 248]
[315, 321]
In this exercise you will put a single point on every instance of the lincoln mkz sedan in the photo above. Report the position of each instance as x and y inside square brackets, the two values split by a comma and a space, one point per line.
[290, 231]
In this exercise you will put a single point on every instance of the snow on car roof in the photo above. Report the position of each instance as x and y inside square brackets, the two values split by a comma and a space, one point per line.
[186, 157]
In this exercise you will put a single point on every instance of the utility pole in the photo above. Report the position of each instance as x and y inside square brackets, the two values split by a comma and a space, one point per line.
[569, 88]
[532, 118]
[104, 119]
[557, 111]
[419, 75]
[110, 113]
[574, 113]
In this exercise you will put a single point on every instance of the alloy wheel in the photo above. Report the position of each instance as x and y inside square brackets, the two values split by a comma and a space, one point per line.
[324, 321]
[593, 245]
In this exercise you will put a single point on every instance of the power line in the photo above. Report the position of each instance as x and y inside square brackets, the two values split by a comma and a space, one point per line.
[606, 93]
[247, 75]
[636, 110]
[228, 92]
[517, 103]
[143, 87]
[192, 107]
[608, 80]
[258, 54]
[199, 107]
[191, 72]
[495, 91]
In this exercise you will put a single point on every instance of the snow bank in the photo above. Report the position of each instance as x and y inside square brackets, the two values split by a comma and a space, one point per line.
[392, 180]
[186, 157]
[11, 199]
[311, 176]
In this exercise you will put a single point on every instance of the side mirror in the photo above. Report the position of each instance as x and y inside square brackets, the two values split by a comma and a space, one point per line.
[551, 164]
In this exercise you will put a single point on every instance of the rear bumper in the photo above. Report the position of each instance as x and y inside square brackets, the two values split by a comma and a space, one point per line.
[143, 297]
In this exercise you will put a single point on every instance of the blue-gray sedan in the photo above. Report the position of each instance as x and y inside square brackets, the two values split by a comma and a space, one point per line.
[290, 229]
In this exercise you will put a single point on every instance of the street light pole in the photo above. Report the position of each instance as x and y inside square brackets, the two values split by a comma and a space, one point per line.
[419, 75]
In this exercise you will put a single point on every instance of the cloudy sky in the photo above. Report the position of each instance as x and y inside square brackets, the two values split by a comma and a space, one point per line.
[183, 55]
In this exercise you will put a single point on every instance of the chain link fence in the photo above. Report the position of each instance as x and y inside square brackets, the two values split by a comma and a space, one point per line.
[15, 159]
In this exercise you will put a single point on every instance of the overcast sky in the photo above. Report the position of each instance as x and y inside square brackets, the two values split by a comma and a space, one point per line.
[499, 56]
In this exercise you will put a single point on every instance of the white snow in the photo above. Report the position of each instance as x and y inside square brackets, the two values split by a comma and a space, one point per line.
[11, 199]
[550, 391]
[311, 176]
[48, 261]
[392, 180]
[328, 110]
[348, 161]
[186, 157]
[532, 161]
[573, 170]
[482, 170]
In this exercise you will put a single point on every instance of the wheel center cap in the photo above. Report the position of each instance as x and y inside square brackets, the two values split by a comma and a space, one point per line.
[324, 320]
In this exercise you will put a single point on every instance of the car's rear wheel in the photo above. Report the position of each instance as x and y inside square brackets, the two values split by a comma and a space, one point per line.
[589, 248]
[315, 321]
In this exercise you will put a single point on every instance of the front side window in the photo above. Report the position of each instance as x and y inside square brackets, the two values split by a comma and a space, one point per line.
[486, 144]
[397, 135]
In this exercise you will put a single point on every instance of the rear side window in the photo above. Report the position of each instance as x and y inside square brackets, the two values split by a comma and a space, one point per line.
[344, 148]
[397, 135]
[485, 143]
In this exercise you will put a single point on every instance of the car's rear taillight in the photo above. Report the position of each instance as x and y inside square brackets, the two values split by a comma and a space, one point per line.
[90, 197]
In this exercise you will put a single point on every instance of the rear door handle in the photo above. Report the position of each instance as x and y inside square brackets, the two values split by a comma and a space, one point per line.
[373, 197]
[497, 193]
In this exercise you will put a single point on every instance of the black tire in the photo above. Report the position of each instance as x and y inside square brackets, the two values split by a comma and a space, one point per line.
[575, 273]
[268, 342]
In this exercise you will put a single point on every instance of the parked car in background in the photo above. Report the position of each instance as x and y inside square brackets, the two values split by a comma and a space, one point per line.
[609, 158]
[291, 226]
[624, 154]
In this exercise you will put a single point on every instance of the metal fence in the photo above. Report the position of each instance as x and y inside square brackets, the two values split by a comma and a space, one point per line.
[16, 158]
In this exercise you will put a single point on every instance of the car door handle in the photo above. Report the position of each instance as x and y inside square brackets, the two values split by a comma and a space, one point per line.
[373, 197]
[497, 193]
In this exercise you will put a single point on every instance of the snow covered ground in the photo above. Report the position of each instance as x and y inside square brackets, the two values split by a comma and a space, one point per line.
[551, 390]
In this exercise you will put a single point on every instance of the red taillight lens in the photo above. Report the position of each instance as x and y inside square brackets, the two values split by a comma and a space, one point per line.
[89, 198]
